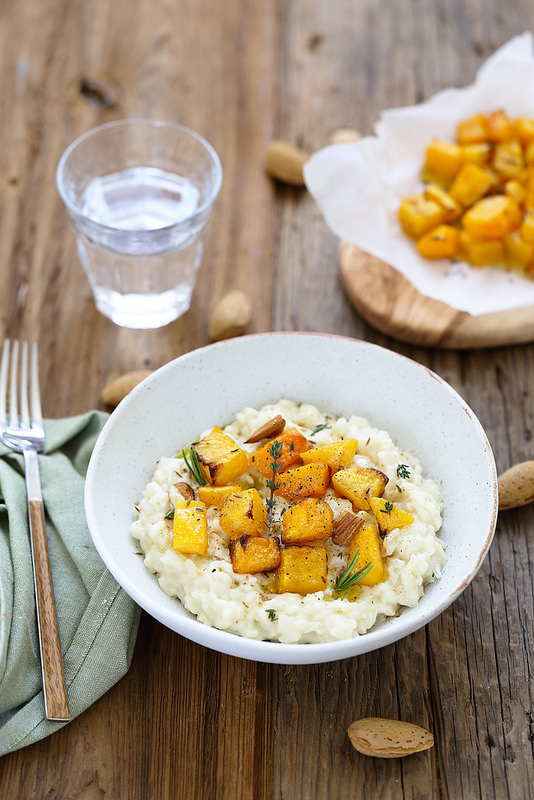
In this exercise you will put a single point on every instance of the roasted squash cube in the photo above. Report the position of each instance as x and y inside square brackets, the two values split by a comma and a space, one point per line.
[221, 459]
[500, 126]
[243, 514]
[388, 515]
[527, 227]
[471, 183]
[524, 128]
[443, 158]
[441, 242]
[508, 161]
[492, 218]
[473, 130]
[417, 215]
[452, 209]
[309, 521]
[216, 495]
[529, 186]
[367, 542]
[253, 554]
[359, 484]
[310, 480]
[519, 252]
[293, 444]
[481, 253]
[516, 189]
[303, 569]
[477, 153]
[336, 455]
[189, 528]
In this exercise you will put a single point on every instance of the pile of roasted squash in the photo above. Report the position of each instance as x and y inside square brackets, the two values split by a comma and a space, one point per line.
[477, 204]
[296, 557]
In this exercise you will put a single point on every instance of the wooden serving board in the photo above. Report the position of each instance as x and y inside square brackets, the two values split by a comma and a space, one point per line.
[389, 302]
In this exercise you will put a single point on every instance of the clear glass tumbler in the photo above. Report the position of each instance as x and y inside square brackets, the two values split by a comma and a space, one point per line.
[140, 195]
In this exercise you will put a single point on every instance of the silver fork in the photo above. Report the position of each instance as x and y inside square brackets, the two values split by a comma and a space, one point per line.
[24, 433]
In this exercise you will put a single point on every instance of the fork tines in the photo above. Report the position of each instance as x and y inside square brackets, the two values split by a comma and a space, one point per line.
[8, 378]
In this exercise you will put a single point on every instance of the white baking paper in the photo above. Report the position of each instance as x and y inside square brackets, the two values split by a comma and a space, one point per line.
[359, 185]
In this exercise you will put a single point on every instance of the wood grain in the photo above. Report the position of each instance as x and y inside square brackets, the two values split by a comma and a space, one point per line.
[187, 723]
[54, 686]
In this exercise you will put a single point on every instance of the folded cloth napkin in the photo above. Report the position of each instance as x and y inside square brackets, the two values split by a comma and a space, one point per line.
[97, 620]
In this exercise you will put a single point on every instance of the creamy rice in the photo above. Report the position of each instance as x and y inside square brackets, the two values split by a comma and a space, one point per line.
[244, 604]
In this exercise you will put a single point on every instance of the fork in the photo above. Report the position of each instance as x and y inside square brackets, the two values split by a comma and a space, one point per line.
[24, 433]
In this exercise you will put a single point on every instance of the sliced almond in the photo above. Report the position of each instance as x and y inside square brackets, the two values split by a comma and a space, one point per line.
[274, 427]
[345, 526]
[185, 490]
[388, 738]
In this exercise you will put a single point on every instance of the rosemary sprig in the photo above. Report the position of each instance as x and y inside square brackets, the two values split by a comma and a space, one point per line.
[193, 466]
[349, 578]
[275, 451]
[403, 471]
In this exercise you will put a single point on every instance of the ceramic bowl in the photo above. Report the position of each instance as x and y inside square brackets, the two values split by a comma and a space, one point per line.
[338, 375]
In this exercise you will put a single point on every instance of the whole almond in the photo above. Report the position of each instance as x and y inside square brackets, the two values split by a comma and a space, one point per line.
[388, 738]
[272, 428]
[516, 486]
[284, 162]
[345, 526]
[185, 490]
[344, 135]
[118, 388]
[231, 316]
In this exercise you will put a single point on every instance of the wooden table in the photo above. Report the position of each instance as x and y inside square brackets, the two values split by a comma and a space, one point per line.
[185, 722]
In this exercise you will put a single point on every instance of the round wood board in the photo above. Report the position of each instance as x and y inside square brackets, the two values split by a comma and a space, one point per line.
[389, 302]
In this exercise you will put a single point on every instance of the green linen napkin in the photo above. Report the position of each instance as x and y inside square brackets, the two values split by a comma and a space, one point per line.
[97, 620]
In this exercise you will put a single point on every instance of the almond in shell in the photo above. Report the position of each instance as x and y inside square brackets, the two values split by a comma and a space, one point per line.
[284, 162]
[516, 486]
[388, 738]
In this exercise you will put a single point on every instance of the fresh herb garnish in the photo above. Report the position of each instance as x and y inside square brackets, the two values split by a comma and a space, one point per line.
[321, 427]
[388, 508]
[193, 466]
[349, 578]
[169, 514]
[275, 451]
[272, 614]
[399, 488]
[403, 471]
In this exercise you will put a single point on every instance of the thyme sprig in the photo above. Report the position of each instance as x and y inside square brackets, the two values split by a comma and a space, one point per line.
[275, 451]
[349, 578]
[403, 471]
[193, 465]
[388, 508]
[320, 427]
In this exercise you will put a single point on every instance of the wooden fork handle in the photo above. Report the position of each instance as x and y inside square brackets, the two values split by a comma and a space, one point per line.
[54, 685]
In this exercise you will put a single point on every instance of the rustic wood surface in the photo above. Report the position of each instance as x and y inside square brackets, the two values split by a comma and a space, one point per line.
[389, 302]
[187, 723]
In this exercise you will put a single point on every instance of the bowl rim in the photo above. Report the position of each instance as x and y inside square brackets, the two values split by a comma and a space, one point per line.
[388, 631]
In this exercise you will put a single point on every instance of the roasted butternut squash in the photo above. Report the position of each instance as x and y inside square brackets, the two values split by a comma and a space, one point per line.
[367, 542]
[253, 554]
[336, 455]
[310, 480]
[189, 528]
[221, 460]
[216, 495]
[303, 569]
[441, 242]
[293, 445]
[359, 484]
[417, 215]
[311, 520]
[388, 515]
[243, 514]
[492, 218]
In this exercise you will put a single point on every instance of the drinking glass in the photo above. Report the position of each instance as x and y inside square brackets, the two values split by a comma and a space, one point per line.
[140, 195]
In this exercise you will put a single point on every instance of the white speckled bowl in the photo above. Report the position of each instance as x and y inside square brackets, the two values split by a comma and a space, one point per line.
[338, 375]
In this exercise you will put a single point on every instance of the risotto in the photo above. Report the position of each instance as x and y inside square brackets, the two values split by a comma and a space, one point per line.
[346, 586]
